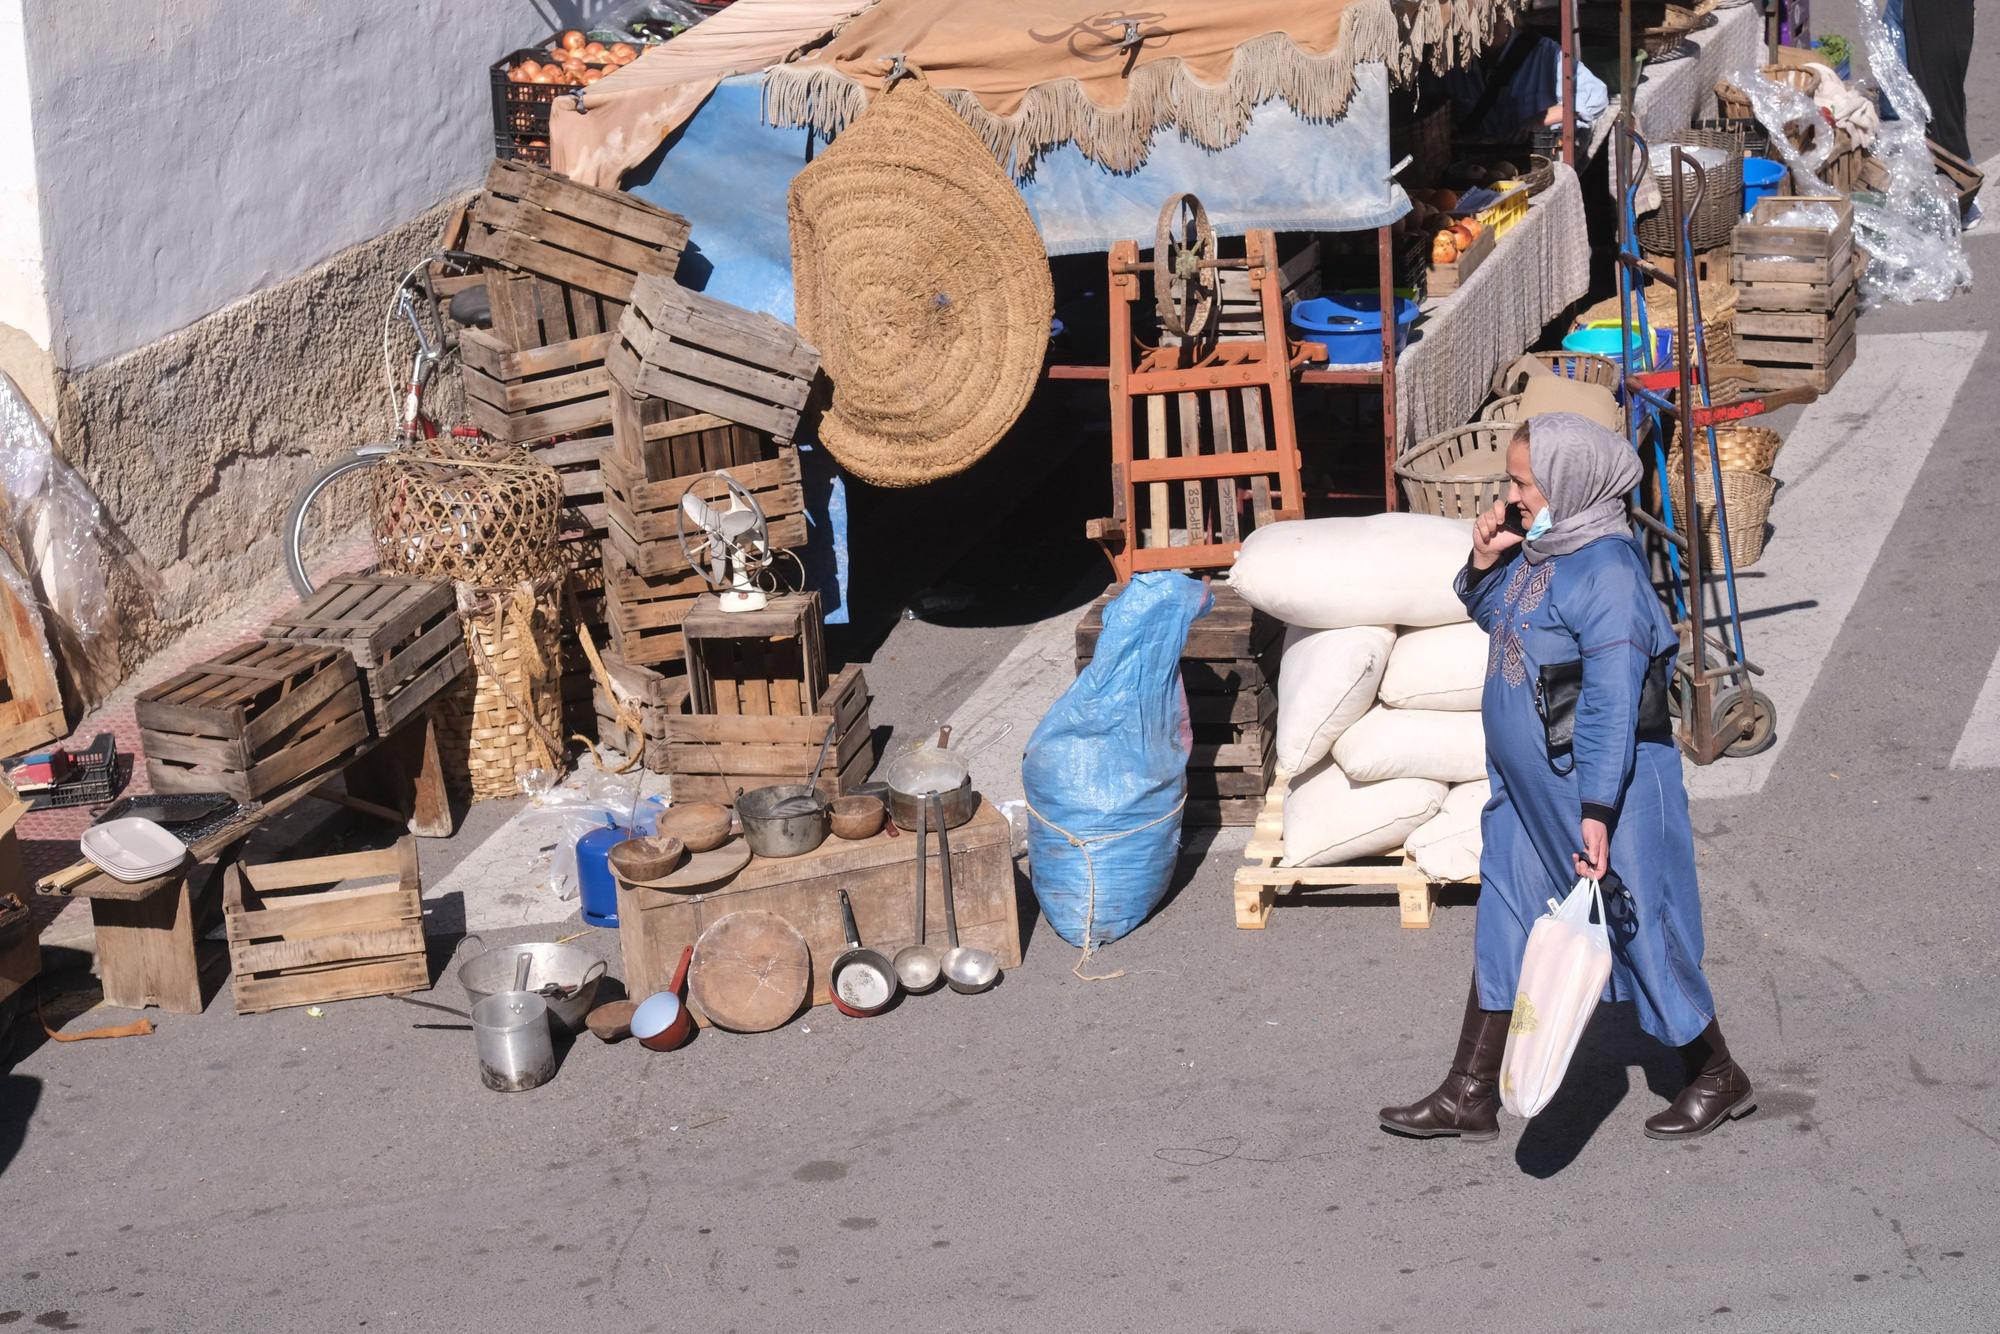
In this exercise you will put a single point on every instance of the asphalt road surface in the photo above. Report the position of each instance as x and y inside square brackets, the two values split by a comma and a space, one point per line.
[1191, 1146]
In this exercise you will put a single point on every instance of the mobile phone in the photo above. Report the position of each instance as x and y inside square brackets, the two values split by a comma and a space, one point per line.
[1513, 522]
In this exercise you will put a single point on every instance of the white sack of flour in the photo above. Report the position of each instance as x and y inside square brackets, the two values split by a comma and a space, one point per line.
[1447, 845]
[1326, 681]
[1330, 821]
[1328, 574]
[1443, 667]
[1444, 746]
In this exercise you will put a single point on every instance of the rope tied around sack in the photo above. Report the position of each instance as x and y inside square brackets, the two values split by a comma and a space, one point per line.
[1083, 845]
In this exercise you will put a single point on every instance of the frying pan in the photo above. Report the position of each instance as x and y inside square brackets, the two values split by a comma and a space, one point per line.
[861, 980]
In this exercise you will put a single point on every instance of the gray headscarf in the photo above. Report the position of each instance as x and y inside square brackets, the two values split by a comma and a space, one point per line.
[1586, 472]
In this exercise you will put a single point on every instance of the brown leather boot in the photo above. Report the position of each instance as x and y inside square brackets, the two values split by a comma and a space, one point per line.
[1467, 1104]
[1717, 1090]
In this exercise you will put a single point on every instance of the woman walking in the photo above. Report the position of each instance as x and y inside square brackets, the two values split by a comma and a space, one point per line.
[1572, 619]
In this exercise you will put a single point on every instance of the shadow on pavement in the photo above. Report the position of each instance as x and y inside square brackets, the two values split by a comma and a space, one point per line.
[1596, 1086]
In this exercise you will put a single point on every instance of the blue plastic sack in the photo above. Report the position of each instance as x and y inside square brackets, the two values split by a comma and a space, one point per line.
[1106, 771]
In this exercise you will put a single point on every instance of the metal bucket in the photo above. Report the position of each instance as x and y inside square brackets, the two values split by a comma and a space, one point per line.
[515, 1049]
[570, 970]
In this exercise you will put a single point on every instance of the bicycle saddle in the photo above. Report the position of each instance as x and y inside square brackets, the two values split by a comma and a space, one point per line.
[471, 307]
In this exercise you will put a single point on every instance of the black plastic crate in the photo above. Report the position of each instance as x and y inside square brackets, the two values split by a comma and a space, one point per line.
[189, 832]
[521, 110]
[96, 781]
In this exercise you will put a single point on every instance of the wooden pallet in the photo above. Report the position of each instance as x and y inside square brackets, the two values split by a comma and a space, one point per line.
[743, 366]
[251, 720]
[650, 697]
[580, 251]
[1229, 667]
[644, 612]
[714, 756]
[1263, 876]
[762, 663]
[339, 942]
[640, 515]
[522, 397]
[31, 706]
[402, 632]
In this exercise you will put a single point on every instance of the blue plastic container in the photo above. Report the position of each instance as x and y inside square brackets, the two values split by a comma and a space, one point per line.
[1762, 178]
[596, 886]
[1604, 340]
[1350, 325]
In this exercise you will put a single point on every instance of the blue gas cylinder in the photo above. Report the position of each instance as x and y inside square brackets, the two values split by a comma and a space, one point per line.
[595, 884]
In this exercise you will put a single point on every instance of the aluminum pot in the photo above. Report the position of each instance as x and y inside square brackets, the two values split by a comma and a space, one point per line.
[926, 772]
[516, 1052]
[788, 820]
[561, 975]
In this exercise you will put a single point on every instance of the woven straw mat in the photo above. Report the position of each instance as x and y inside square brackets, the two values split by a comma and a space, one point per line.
[922, 280]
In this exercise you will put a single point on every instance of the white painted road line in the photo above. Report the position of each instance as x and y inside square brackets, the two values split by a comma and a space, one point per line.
[1846, 470]
[1979, 745]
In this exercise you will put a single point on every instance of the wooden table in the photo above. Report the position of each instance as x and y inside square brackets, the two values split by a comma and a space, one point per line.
[879, 875]
[147, 931]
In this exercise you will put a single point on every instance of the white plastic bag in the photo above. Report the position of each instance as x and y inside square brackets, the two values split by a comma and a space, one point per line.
[1563, 973]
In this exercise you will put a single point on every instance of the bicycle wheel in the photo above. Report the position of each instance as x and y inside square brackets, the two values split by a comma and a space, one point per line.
[326, 530]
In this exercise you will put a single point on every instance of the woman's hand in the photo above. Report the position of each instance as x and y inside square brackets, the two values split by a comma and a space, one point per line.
[1595, 859]
[1491, 536]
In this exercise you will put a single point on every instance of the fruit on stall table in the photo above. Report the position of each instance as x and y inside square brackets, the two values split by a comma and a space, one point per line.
[1443, 250]
[574, 40]
[624, 53]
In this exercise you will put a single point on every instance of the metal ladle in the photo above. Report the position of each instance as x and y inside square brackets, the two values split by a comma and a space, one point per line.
[918, 966]
[969, 971]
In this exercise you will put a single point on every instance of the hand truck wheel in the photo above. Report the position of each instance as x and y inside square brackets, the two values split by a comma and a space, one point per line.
[1760, 729]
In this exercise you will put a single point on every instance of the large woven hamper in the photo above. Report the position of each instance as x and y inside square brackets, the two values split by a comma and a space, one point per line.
[504, 717]
[1747, 496]
[1459, 474]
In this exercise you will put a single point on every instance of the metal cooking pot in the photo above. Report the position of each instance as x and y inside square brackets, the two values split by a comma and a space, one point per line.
[788, 820]
[931, 771]
[511, 1029]
[561, 975]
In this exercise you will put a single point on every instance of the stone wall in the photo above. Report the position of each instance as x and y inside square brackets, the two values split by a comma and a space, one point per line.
[197, 442]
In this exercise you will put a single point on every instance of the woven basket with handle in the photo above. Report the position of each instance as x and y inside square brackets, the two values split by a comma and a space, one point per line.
[504, 717]
[1459, 474]
[1747, 497]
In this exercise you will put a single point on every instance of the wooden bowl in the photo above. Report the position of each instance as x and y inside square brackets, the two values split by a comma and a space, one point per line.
[646, 858]
[612, 1021]
[701, 825]
[858, 816]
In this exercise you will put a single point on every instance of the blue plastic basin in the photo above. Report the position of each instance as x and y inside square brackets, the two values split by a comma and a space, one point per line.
[1762, 178]
[1349, 324]
[1604, 342]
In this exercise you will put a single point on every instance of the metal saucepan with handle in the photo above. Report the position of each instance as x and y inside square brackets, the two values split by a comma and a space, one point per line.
[789, 819]
[861, 980]
[927, 772]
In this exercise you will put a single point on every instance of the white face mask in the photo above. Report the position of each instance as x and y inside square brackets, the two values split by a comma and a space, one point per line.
[1543, 522]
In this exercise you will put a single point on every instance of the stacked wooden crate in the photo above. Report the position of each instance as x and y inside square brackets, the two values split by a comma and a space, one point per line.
[325, 928]
[698, 386]
[402, 632]
[252, 720]
[562, 262]
[1796, 293]
[1229, 667]
[715, 756]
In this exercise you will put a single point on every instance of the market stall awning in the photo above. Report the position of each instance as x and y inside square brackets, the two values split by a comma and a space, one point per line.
[628, 115]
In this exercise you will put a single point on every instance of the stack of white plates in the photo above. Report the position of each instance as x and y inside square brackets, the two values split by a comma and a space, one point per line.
[132, 849]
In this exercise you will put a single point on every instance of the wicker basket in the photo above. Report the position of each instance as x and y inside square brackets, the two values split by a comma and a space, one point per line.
[468, 509]
[1718, 316]
[1741, 448]
[505, 716]
[1756, 139]
[1747, 495]
[1585, 366]
[1460, 474]
[1667, 39]
[1732, 103]
[1426, 141]
[1716, 217]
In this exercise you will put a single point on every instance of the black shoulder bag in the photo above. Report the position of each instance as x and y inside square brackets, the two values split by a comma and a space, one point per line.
[1561, 683]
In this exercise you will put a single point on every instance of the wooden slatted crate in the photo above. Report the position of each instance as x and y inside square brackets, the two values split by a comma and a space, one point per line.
[578, 460]
[712, 757]
[644, 612]
[649, 698]
[403, 633]
[1797, 294]
[301, 932]
[771, 661]
[31, 707]
[523, 397]
[641, 526]
[252, 720]
[709, 356]
[575, 252]
[1229, 668]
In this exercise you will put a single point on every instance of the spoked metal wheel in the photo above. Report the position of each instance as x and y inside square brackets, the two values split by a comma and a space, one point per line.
[1760, 725]
[1185, 286]
[326, 530]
